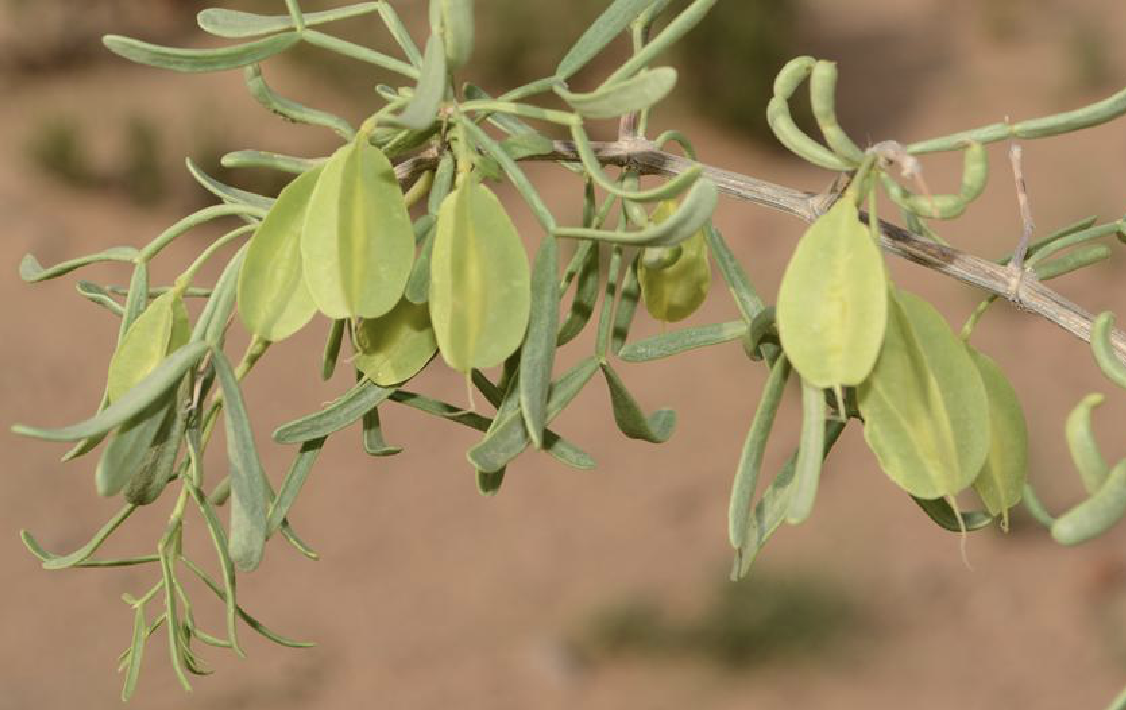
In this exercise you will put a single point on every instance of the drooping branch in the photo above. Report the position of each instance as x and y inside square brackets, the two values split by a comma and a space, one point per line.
[989, 276]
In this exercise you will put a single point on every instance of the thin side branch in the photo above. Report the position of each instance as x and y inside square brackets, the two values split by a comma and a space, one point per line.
[639, 153]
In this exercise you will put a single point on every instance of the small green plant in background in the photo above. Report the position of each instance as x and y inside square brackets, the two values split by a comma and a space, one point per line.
[397, 239]
[745, 624]
[58, 148]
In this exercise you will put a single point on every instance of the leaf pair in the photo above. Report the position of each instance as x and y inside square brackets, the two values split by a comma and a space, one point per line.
[940, 416]
[673, 291]
[338, 240]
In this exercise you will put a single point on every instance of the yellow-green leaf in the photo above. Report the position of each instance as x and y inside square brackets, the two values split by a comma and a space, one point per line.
[394, 347]
[674, 292]
[273, 300]
[925, 409]
[480, 287]
[832, 304]
[1000, 484]
[357, 244]
[161, 328]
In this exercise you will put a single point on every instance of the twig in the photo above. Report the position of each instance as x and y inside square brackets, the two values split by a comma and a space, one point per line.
[641, 154]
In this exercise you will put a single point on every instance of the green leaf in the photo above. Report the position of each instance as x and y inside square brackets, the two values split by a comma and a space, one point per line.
[457, 31]
[943, 514]
[675, 292]
[273, 300]
[1103, 347]
[82, 554]
[1095, 515]
[489, 482]
[480, 290]
[333, 343]
[509, 437]
[357, 244]
[344, 410]
[926, 412]
[634, 94]
[418, 285]
[628, 299]
[423, 107]
[750, 461]
[526, 145]
[586, 292]
[537, 357]
[746, 298]
[374, 443]
[291, 111]
[393, 348]
[293, 483]
[771, 509]
[612, 22]
[1002, 478]
[692, 216]
[215, 317]
[136, 651]
[158, 467]
[161, 328]
[131, 447]
[1084, 448]
[165, 376]
[226, 193]
[235, 24]
[807, 470]
[249, 490]
[199, 60]
[832, 304]
[31, 271]
[680, 341]
[631, 420]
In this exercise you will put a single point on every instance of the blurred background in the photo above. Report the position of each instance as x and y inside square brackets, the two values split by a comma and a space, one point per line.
[600, 589]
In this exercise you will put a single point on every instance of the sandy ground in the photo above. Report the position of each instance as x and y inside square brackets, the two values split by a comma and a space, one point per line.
[430, 596]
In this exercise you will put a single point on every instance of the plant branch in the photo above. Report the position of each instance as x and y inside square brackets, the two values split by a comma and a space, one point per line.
[641, 154]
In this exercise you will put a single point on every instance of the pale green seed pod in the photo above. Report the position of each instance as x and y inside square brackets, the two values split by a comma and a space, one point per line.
[674, 285]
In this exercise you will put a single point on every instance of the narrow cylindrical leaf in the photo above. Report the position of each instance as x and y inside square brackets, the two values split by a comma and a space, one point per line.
[199, 60]
[236, 24]
[631, 420]
[612, 22]
[750, 461]
[1084, 448]
[423, 107]
[537, 357]
[634, 94]
[1095, 515]
[344, 410]
[457, 31]
[293, 483]
[807, 472]
[31, 270]
[510, 437]
[669, 344]
[249, 490]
